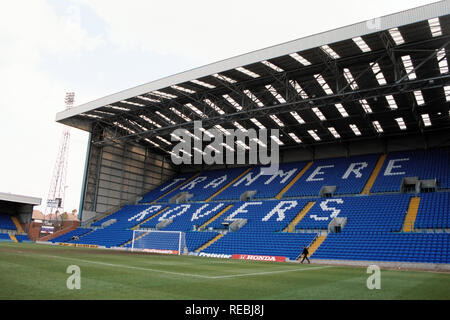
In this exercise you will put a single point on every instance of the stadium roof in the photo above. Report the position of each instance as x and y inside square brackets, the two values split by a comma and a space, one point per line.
[382, 77]
[19, 199]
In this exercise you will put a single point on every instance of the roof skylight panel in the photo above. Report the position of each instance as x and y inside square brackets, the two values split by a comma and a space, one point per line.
[275, 93]
[355, 129]
[214, 106]
[154, 143]
[196, 110]
[258, 124]
[401, 123]
[227, 146]
[407, 63]
[419, 97]
[262, 144]
[334, 132]
[181, 115]
[435, 27]
[426, 119]
[199, 150]
[203, 84]
[104, 112]
[377, 126]
[276, 120]
[224, 78]
[297, 117]
[117, 108]
[341, 110]
[164, 140]
[239, 126]
[209, 134]
[133, 103]
[173, 154]
[294, 137]
[178, 138]
[313, 134]
[447, 93]
[183, 89]
[442, 61]
[248, 72]
[391, 101]
[150, 121]
[318, 113]
[242, 145]
[233, 102]
[349, 77]
[365, 105]
[124, 127]
[277, 140]
[378, 73]
[165, 117]
[299, 89]
[323, 84]
[163, 95]
[148, 99]
[300, 59]
[254, 98]
[214, 149]
[396, 36]
[134, 123]
[330, 52]
[272, 66]
[222, 129]
[91, 115]
[191, 134]
[187, 153]
[361, 44]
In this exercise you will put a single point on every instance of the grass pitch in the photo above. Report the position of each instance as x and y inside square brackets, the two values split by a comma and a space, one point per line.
[33, 271]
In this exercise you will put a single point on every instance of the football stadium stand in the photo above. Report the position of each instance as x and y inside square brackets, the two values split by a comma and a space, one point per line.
[267, 184]
[348, 175]
[6, 222]
[5, 237]
[429, 164]
[289, 210]
[362, 114]
[434, 211]
[216, 221]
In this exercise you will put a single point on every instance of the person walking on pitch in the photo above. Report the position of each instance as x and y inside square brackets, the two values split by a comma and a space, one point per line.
[305, 253]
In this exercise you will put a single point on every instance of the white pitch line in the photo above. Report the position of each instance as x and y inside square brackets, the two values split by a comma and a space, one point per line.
[181, 273]
[268, 272]
[129, 267]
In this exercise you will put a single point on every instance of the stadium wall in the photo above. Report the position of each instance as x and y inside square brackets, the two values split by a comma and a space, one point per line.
[120, 174]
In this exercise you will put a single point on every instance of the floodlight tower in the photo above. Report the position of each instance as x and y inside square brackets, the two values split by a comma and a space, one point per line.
[56, 194]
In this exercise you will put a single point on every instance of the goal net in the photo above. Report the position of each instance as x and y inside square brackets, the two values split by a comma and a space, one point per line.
[166, 242]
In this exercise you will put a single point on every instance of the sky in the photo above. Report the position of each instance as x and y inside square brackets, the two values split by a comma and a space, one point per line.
[98, 47]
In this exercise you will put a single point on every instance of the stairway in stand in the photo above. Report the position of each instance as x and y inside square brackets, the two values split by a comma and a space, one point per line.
[411, 215]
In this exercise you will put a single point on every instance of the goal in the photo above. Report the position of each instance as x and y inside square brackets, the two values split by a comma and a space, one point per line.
[156, 241]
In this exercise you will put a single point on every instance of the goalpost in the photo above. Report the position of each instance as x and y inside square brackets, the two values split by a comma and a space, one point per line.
[156, 241]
